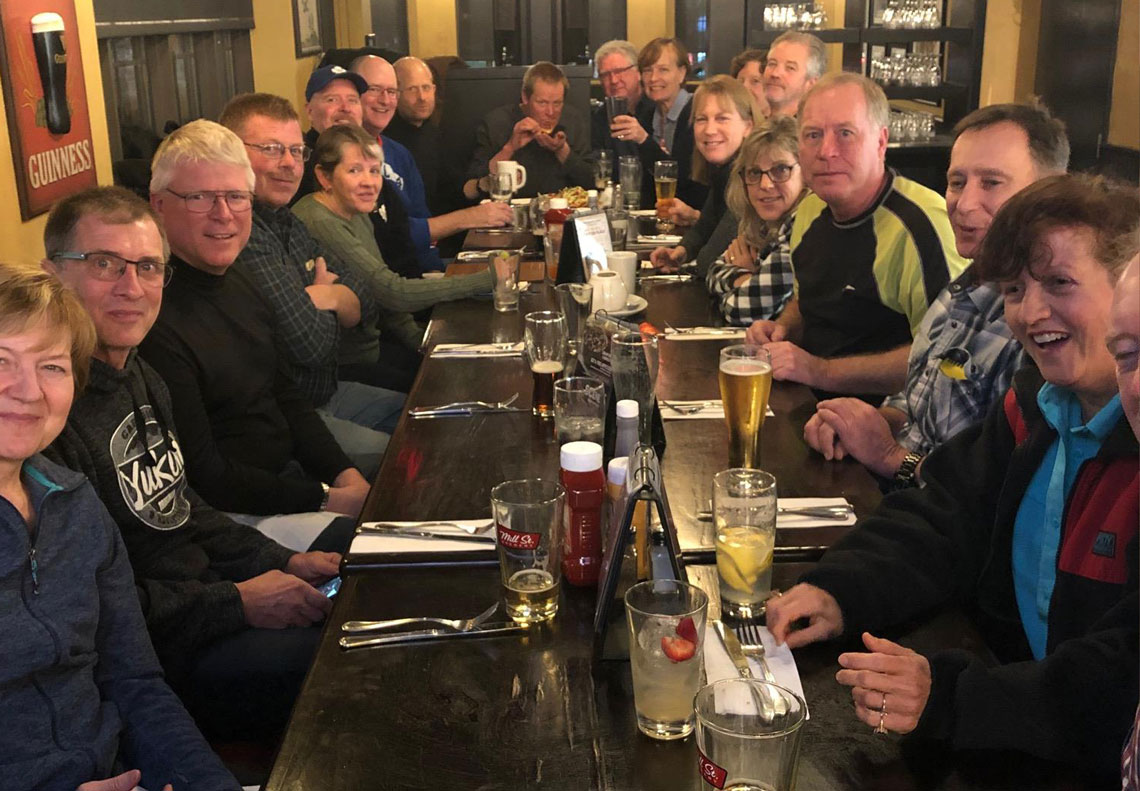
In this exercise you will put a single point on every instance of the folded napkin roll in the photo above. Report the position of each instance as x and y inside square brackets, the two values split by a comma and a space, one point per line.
[477, 349]
[384, 544]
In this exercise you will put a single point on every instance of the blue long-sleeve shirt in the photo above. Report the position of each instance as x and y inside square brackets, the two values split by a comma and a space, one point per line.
[401, 171]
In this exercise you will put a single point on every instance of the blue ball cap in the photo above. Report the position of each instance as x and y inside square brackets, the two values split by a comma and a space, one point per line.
[320, 79]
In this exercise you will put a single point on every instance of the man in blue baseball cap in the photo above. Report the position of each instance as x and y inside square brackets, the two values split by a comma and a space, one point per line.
[332, 96]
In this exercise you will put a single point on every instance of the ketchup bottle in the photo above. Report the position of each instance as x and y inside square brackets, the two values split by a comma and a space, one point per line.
[585, 486]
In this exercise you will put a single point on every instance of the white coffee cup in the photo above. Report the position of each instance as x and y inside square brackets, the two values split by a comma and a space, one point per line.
[625, 263]
[516, 171]
[609, 291]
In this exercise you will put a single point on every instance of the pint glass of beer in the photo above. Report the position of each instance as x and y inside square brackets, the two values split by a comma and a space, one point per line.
[528, 524]
[745, 383]
[665, 181]
[51, 60]
[545, 342]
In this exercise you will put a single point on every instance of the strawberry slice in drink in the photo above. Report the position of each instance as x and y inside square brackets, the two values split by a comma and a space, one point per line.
[687, 629]
[678, 649]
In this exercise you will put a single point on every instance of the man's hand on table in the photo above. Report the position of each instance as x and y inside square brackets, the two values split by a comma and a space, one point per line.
[825, 619]
[890, 677]
[277, 600]
[668, 259]
[347, 493]
[488, 215]
[315, 568]
[127, 781]
[851, 427]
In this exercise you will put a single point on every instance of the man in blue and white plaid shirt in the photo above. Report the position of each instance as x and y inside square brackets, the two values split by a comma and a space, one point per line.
[963, 355]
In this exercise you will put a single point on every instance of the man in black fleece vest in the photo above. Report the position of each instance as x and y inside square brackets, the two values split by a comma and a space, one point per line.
[216, 595]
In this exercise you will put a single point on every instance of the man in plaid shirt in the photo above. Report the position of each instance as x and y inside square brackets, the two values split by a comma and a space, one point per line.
[315, 301]
[963, 355]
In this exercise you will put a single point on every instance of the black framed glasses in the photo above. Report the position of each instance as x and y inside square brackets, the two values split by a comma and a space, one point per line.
[778, 174]
[380, 90]
[277, 150]
[109, 267]
[609, 75]
[201, 202]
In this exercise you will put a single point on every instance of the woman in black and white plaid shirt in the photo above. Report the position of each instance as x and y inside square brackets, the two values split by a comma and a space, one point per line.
[753, 279]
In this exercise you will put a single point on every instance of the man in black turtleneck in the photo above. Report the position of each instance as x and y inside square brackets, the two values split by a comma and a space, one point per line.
[212, 591]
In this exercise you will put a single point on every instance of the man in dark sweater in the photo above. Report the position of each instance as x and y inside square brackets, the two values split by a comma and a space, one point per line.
[207, 584]
[253, 443]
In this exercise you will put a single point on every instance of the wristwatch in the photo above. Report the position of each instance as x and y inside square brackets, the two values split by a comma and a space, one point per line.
[906, 472]
[324, 496]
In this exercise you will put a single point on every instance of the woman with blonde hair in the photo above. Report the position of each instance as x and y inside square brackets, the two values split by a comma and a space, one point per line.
[753, 279]
[724, 113]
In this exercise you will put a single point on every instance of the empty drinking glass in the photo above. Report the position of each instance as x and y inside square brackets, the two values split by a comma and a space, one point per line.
[634, 361]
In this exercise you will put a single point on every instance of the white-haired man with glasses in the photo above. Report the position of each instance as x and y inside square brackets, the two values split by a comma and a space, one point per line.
[205, 582]
[620, 79]
[253, 442]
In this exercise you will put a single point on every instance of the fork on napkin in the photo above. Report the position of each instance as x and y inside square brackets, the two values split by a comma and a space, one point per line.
[477, 349]
[780, 661]
[674, 409]
[366, 543]
[702, 333]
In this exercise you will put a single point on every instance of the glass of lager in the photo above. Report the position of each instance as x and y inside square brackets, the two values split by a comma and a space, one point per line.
[545, 340]
[528, 524]
[665, 181]
[740, 749]
[745, 383]
[744, 513]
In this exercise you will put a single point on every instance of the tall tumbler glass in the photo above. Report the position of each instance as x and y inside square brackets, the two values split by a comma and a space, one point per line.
[744, 513]
[665, 184]
[745, 384]
[579, 410]
[634, 360]
[603, 168]
[629, 173]
[574, 299]
[666, 656]
[739, 748]
[528, 524]
[544, 339]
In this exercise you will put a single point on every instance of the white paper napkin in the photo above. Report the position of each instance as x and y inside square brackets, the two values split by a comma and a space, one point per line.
[799, 520]
[476, 350]
[714, 410]
[381, 544]
[703, 333]
[780, 661]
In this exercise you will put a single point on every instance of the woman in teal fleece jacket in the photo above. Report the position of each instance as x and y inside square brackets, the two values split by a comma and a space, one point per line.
[83, 694]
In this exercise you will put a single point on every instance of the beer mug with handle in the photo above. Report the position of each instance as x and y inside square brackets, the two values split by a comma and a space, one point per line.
[517, 172]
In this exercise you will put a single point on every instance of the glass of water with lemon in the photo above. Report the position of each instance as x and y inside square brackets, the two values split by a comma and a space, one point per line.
[744, 510]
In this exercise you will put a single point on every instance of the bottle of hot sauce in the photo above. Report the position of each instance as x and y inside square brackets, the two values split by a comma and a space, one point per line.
[585, 484]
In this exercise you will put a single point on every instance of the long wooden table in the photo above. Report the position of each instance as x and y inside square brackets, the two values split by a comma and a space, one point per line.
[534, 711]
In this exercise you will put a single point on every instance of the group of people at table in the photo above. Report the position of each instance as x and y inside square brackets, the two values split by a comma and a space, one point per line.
[196, 392]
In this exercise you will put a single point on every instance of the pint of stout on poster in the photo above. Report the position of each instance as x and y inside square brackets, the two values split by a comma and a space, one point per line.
[51, 60]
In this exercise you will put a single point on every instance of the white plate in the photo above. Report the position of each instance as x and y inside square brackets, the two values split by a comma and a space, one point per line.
[634, 304]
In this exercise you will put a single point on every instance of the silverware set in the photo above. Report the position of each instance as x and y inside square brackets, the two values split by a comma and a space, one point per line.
[689, 408]
[837, 512]
[743, 644]
[704, 330]
[361, 633]
[471, 533]
[466, 408]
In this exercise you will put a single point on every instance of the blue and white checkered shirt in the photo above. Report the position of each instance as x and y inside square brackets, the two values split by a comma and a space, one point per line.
[761, 296]
[962, 360]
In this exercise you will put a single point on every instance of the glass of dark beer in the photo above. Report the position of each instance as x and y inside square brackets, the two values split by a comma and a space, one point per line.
[51, 60]
[545, 342]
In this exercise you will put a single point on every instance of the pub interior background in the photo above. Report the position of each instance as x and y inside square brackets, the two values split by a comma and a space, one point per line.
[166, 62]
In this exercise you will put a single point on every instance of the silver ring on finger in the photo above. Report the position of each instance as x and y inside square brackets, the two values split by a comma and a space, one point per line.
[881, 728]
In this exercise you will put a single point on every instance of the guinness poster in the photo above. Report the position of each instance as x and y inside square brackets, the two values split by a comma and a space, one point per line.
[46, 101]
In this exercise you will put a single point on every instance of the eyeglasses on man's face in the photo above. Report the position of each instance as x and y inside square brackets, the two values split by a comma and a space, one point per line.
[778, 174]
[109, 267]
[613, 74]
[276, 150]
[202, 202]
[380, 91]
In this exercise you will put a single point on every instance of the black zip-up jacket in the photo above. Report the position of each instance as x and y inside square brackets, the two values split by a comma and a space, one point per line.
[185, 555]
[951, 541]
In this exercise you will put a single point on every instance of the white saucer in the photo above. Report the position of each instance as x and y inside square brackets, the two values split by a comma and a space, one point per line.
[634, 304]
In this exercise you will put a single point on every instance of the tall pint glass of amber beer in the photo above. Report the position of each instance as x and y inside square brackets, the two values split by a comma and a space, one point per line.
[544, 337]
[745, 383]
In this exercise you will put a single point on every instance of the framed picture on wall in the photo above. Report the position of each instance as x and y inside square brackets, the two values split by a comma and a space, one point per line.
[45, 97]
[307, 27]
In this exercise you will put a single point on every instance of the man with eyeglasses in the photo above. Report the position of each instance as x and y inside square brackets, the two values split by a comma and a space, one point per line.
[316, 299]
[254, 445]
[207, 584]
[617, 72]
[379, 102]
[549, 139]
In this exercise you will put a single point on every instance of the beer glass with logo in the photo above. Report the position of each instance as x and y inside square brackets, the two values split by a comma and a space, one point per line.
[544, 338]
[665, 182]
[738, 747]
[51, 59]
[744, 514]
[528, 524]
[745, 384]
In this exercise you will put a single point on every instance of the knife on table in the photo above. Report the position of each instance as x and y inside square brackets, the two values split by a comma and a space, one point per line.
[425, 635]
[735, 651]
[396, 532]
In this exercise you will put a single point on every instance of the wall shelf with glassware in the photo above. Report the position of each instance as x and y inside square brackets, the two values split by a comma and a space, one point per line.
[886, 35]
[928, 93]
